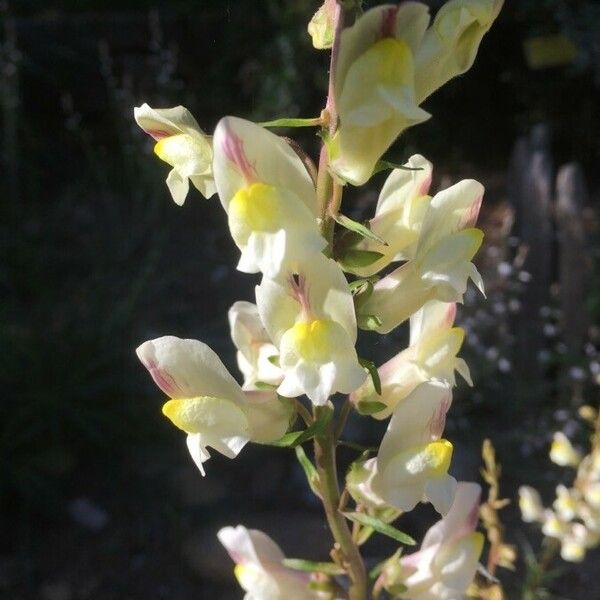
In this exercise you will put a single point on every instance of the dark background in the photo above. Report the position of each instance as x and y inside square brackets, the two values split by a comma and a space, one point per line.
[99, 498]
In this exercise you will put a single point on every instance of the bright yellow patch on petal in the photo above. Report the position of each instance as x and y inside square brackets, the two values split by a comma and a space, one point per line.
[204, 413]
[257, 206]
[314, 339]
[433, 459]
[391, 57]
[178, 149]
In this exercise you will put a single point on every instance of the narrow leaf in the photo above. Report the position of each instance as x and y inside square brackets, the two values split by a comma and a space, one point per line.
[299, 564]
[369, 365]
[285, 122]
[356, 227]
[380, 527]
[294, 438]
[309, 470]
[383, 165]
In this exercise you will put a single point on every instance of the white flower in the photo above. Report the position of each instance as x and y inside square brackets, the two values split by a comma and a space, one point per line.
[399, 214]
[259, 569]
[268, 195]
[374, 86]
[206, 401]
[432, 354]
[310, 318]
[412, 463]
[182, 144]
[530, 504]
[446, 563]
[442, 263]
[257, 357]
[562, 452]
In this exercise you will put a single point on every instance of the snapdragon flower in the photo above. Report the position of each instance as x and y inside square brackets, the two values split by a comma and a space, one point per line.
[442, 263]
[310, 317]
[446, 563]
[389, 62]
[530, 504]
[259, 567]
[207, 403]
[268, 195]
[413, 459]
[431, 354]
[401, 207]
[257, 357]
[182, 144]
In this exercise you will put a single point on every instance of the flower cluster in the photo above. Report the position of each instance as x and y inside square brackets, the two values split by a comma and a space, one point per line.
[574, 519]
[411, 261]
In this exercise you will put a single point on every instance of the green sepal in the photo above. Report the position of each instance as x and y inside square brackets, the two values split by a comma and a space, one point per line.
[309, 470]
[369, 365]
[274, 359]
[294, 438]
[370, 408]
[292, 122]
[356, 227]
[368, 322]
[299, 564]
[353, 258]
[380, 527]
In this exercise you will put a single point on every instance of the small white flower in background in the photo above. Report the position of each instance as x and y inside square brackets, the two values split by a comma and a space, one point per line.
[207, 402]
[412, 463]
[530, 504]
[268, 195]
[446, 564]
[576, 542]
[442, 263]
[566, 503]
[553, 526]
[562, 452]
[432, 354]
[182, 144]
[401, 207]
[257, 357]
[310, 318]
[259, 568]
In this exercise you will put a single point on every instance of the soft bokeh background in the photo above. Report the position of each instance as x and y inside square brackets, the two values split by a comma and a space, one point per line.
[99, 498]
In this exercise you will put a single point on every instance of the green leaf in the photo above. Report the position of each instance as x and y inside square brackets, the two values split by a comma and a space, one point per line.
[358, 447]
[285, 122]
[383, 165]
[309, 470]
[359, 258]
[380, 527]
[368, 322]
[369, 365]
[299, 564]
[370, 408]
[294, 438]
[356, 227]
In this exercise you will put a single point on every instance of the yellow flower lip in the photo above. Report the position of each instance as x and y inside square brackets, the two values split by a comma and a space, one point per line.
[432, 460]
[176, 149]
[257, 207]
[314, 339]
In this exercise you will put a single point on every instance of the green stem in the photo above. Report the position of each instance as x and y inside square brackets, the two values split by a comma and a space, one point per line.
[330, 493]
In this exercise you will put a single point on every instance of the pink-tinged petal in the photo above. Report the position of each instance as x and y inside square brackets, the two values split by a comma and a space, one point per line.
[188, 369]
[461, 519]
